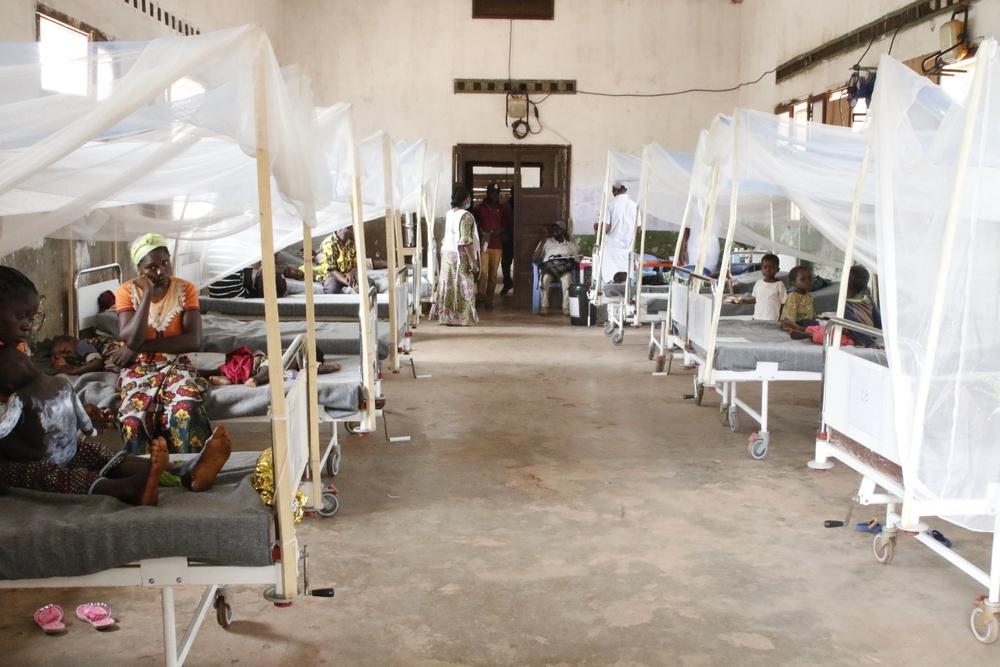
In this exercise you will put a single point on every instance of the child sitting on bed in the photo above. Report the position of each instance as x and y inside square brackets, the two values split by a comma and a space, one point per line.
[41, 419]
[73, 356]
[769, 293]
[250, 368]
[799, 311]
[860, 308]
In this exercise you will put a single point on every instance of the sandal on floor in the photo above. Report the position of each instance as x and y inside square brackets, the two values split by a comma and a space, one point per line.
[97, 614]
[872, 526]
[939, 536]
[50, 619]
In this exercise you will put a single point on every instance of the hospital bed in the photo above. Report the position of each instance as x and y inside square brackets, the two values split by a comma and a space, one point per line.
[342, 396]
[220, 538]
[332, 307]
[745, 351]
[858, 430]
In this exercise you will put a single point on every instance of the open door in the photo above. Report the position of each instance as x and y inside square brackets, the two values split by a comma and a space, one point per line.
[539, 180]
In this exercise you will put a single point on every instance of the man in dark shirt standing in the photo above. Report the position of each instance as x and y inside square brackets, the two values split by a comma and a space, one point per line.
[491, 220]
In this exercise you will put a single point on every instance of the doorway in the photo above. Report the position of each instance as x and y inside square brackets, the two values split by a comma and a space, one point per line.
[536, 181]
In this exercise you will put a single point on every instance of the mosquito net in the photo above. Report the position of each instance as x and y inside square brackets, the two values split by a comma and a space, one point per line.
[666, 180]
[938, 231]
[159, 136]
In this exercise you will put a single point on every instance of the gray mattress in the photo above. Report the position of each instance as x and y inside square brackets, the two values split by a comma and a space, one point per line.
[326, 305]
[824, 300]
[338, 392]
[49, 535]
[225, 334]
[766, 342]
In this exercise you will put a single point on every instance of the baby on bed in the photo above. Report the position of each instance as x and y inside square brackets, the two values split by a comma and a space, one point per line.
[41, 419]
[76, 356]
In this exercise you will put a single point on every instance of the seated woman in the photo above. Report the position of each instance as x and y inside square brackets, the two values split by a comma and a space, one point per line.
[158, 322]
[335, 265]
[41, 419]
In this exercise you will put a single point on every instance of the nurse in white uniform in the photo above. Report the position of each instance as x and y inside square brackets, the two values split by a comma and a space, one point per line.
[619, 235]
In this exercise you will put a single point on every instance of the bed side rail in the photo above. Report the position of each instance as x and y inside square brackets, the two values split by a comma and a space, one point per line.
[85, 296]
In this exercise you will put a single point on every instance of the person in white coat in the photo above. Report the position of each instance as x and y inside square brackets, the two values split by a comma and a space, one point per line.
[619, 234]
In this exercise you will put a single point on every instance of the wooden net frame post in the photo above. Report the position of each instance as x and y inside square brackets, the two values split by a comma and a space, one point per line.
[392, 233]
[368, 342]
[284, 485]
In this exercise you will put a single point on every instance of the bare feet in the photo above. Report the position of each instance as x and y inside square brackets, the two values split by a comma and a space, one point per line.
[212, 458]
[219, 380]
[328, 367]
[158, 460]
[252, 382]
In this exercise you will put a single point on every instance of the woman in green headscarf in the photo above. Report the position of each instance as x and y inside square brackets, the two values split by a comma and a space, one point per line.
[158, 323]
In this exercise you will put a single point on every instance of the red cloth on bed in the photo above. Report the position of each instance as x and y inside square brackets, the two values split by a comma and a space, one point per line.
[239, 365]
[817, 332]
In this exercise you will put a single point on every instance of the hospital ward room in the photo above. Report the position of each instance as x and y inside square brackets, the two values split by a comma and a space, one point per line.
[499, 332]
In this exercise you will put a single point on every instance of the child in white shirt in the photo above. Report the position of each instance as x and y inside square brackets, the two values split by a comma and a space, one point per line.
[769, 293]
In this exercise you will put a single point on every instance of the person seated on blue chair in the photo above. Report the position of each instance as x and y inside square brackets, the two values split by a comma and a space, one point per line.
[556, 257]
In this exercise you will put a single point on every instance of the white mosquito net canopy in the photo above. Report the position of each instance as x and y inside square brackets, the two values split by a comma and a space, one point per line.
[161, 136]
[626, 169]
[202, 261]
[665, 182]
[938, 224]
[793, 183]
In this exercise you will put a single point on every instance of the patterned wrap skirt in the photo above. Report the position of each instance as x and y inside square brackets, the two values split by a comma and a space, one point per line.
[161, 396]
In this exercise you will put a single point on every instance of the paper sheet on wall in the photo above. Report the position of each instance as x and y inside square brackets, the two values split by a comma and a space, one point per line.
[584, 204]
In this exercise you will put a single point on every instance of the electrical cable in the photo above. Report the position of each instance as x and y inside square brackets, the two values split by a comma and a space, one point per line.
[681, 92]
[893, 41]
[866, 52]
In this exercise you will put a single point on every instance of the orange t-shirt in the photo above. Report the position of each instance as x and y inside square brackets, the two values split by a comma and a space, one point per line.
[165, 315]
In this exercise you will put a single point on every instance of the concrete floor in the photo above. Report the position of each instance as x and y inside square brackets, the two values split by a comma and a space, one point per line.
[558, 505]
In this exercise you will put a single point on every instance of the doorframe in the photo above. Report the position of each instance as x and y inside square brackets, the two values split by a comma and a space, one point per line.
[558, 157]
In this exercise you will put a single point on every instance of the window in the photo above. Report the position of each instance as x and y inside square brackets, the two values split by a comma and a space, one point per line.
[62, 51]
[69, 64]
[513, 9]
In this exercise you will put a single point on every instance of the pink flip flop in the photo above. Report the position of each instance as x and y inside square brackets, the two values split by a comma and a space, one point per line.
[49, 618]
[97, 614]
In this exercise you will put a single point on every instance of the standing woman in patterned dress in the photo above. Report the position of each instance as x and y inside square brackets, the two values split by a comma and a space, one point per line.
[158, 323]
[456, 298]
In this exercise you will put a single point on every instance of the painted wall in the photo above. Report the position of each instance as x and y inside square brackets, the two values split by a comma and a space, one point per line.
[395, 60]
[766, 41]
[48, 265]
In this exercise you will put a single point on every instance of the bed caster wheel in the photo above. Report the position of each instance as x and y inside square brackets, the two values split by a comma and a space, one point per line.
[223, 611]
[733, 420]
[331, 503]
[724, 413]
[884, 548]
[985, 624]
[757, 447]
[617, 337]
[609, 328]
[699, 391]
[652, 352]
[333, 463]
[661, 362]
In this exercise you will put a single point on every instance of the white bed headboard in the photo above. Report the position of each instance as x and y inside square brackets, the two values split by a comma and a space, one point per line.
[86, 295]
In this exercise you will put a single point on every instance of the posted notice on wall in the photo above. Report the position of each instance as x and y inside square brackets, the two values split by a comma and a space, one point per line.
[583, 206]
